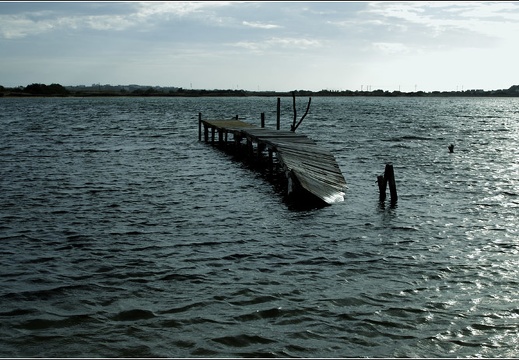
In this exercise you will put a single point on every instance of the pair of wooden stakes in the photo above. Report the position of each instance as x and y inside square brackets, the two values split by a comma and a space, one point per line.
[389, 179]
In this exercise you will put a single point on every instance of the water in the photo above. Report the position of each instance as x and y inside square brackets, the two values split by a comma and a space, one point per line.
[122, 235]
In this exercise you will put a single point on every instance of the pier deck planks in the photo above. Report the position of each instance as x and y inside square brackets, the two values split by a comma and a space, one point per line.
[315, 168]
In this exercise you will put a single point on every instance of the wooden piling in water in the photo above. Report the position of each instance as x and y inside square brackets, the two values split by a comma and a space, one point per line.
[387, 179]
[389, 174]
[199, 126]
[278, 114]
[220, 137]
[271, 161]
[382, 185]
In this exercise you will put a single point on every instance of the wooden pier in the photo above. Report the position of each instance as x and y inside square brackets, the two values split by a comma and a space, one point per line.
[311, 173]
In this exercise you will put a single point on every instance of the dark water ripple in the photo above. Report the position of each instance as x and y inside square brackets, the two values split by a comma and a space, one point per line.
[123, 236]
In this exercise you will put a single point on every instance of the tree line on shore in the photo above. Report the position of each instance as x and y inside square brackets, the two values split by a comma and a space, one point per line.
[55, 90]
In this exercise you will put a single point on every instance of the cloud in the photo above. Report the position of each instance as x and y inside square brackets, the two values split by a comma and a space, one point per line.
[440, 19]
[391, 48]
[259, 25]
[14, 27]
[278, 43]
[101, 16]
[28, 24]
[405, 28]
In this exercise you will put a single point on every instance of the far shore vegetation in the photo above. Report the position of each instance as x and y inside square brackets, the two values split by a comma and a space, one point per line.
[57, 90]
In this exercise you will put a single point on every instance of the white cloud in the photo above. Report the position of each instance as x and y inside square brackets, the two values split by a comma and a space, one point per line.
[135, 15]
[20, 26]
[259, 25]
[15, 27]
[278, 44]
[180, 8]
[391, 48]
[299, 43]
[483, 18]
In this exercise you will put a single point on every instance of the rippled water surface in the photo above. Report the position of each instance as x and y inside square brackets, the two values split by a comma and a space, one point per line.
[122, 235]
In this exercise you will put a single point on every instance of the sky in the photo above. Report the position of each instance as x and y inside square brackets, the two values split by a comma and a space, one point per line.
[262, 46]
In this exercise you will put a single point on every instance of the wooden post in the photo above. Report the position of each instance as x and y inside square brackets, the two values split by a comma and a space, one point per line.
[220, 137]
[260, 149]
[306, 113]
[382, 185]
[250, 149]
[237, 144]
[384, 180]
[271, 161]
[262, 119]
[199, 126]
[278, 116]
[389, 174]
[212, 135]
[293, 127]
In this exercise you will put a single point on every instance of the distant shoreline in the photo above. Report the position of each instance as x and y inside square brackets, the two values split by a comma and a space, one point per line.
[56, 90]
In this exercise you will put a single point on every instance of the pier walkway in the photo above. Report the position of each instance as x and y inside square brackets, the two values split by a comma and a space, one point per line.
[311, 171]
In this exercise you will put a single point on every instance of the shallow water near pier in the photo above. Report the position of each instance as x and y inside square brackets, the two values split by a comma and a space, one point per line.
[122, 235]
